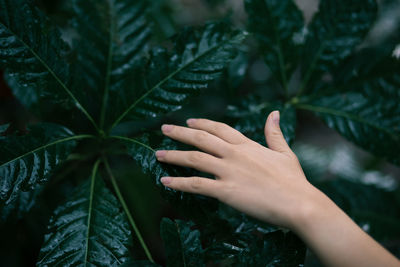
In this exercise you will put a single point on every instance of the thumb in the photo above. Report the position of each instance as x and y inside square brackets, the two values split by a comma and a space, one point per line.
[273, 133]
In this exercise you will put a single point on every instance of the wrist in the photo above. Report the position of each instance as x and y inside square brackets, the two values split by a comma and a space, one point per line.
[315, 207]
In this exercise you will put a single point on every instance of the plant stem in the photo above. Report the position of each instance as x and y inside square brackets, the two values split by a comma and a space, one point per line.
[109, 65]
[310, 71]
[125, 207]
[123, 138]
[93, 180]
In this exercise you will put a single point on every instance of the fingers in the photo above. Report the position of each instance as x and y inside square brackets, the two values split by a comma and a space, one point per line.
[197, 185]
[273, 134]
[194, 159]
[200, 139]
[221, 130]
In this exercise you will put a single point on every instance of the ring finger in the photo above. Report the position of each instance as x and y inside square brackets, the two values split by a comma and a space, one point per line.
[193, 159]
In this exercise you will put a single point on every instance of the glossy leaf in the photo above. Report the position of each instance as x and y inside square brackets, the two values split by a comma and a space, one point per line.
[142, 150]
[113, 35]
[169, 79]
[28, 160]
[90, 228]
[252, 114]
[23, 203]
[138, 263]
[275, 25]
[238, 240]
[372, 123]
[182, 244]
[28, 98]
[334, 33]
[32, 52]
[366, 109]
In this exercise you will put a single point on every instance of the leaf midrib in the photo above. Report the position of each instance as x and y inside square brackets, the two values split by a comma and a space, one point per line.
[52, 73]
[132, 141]
[92, 184]
[109, 63]
[180, 241]
[169, 77]
[47, 145]
[281, 59]
[321, 109]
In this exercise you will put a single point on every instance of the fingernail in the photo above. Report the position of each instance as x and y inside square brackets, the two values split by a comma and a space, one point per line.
[275, 117]
[190, 121]
[166, 180]
[160, 153]
[166, 128]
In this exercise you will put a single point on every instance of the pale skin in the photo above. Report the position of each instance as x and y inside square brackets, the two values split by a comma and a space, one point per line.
[269, 184]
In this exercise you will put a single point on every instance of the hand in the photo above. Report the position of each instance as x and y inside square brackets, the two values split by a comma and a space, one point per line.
[266, 183]
[269, 184]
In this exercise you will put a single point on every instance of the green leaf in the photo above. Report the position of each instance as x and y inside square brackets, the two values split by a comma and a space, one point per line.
[278, 248]
[23, 203]
[182, 244]
[274, 24]
[333, 34]
[251, 115]
[90, 228]
[168, 79]
[32, 52]
[366, 111]
[141, 150]
[235, 239]
[28, 98]
[112, 37]
[28, 160]
[134, 263]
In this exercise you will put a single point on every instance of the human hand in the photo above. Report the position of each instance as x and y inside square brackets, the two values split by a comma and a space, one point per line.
[266, 183]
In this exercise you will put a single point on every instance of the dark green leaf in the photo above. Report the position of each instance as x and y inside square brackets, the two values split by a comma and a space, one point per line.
[3, 128]
[32, 50]
[28, 160]
[90, 228]
[28, 97]
[275, 249]
[238, 240]
[140, 149]
[251, 115]
[334, 33]
[22, 203]
[112, 37]
[275, 24]
[182, 244]
[170, 78]
[134, 263]
[366, 110]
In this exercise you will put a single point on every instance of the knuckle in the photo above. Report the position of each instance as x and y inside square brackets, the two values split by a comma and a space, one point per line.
[227, 191]
[222, 126]
[196, 183]
[195, 157]
[236, 150]
[201, 136]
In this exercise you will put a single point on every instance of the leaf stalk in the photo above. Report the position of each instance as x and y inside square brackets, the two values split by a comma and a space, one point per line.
[125, 207]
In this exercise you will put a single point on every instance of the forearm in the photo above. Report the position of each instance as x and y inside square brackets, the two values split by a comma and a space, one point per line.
[336, 239]
[269, 184]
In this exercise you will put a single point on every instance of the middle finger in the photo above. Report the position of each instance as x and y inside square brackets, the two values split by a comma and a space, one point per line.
[198, 138]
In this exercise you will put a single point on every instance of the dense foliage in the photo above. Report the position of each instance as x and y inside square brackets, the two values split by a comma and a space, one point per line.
[112, 72]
